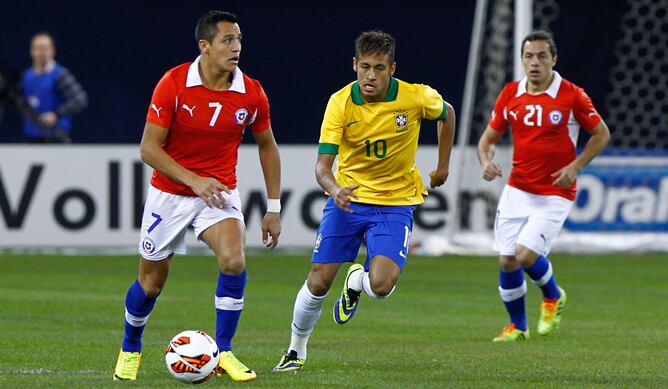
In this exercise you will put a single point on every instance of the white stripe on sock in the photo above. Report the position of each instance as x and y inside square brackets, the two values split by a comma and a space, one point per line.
[546, 277]
[229, 303]
[509, 295]
[135, 321]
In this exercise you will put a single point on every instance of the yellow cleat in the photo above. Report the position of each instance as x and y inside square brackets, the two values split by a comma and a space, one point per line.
[550, 314]
[230, 365]
[345, 307]
[127, 366]
[511, 333]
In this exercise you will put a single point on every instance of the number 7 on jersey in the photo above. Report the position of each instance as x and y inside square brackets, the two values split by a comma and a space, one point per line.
[218, 107]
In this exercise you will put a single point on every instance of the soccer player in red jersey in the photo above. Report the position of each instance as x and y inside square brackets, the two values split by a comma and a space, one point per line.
[545, 112]
[194, 126]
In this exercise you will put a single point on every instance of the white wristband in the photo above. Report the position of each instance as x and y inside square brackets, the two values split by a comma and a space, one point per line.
[274, 205]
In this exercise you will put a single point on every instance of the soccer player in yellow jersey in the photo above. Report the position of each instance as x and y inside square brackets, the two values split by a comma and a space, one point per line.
[373, 125]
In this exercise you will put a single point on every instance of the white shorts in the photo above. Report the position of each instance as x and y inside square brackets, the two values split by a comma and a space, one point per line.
[528, 219]
[167, 216]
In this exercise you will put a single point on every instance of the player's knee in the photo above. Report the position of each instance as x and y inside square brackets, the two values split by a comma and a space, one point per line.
[151, 286]
[233, 267]
[319, 281]
[508, 263]
[382, 287]
[231, 262]
[525, 256]
[525, 262]
[318, 286]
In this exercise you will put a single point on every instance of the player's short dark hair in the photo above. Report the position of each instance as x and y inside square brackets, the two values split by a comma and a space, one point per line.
[46, 34]
[540, 35]
[207, 25]
[375, 42]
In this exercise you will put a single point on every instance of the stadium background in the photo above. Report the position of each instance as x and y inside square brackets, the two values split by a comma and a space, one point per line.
[300, 51]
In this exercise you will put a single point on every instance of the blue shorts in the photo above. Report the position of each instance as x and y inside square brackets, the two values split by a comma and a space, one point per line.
[387, 230]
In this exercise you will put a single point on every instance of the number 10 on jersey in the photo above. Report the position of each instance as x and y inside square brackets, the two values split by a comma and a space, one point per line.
[379, 148]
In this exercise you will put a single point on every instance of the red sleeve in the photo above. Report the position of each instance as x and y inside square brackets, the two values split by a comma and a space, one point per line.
[499, 121]
[584, 112]
[260, 120]
[163, 103]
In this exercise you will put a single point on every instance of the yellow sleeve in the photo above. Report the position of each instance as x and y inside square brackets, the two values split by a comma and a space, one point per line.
[331, 131]
[433, 105]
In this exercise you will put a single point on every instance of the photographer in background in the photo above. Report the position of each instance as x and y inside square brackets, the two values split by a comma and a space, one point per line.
[52, 92]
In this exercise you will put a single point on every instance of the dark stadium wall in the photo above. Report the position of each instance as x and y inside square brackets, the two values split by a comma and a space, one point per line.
[301, 52]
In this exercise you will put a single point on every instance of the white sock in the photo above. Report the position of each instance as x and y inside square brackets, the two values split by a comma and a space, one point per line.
[355, 280]
[305, 315]
[366, 285]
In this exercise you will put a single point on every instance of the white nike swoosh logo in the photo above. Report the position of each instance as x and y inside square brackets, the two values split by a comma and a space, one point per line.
[402, 255]
[592, 114]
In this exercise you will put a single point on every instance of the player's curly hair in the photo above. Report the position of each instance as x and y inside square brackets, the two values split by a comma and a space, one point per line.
[207, 28]
[540, 35]
[375, 42]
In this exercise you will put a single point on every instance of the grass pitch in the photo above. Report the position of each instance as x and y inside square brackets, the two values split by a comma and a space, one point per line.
[62, 320]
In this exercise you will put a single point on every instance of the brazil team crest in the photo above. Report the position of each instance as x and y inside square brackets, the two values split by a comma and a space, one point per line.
[241, 115]
[401, 121]
[555, 117]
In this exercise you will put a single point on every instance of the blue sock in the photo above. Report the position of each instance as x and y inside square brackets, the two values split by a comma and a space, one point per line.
[138, 306]
[512, 290]
[541, 274]
[229, 303]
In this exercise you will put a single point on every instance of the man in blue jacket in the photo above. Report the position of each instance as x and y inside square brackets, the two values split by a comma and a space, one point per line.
[52, 92]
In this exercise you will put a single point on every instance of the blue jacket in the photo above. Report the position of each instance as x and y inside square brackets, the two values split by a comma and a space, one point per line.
[53, 91]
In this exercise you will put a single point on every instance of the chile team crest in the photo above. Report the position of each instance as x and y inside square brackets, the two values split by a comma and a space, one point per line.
[241, 115]
[148, 245]
[555, 117]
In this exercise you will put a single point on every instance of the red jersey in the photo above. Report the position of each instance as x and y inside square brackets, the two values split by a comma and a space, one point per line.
[205, 126]
[545, 131]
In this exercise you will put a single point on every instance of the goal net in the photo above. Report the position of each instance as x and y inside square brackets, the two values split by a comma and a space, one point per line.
[622, 201]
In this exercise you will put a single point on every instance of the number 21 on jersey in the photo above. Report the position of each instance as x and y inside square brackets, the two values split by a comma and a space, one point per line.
[533, 110]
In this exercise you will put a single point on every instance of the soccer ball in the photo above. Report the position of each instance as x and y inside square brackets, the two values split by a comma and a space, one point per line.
[192, 356]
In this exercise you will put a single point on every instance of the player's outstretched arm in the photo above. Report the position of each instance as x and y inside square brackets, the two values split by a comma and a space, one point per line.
[270, 161]
[600, 136]
[446, 138]
[326, 180]
[490, 169]
[154, 155]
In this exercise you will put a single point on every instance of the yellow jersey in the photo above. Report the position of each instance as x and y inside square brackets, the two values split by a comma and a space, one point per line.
[376, 142]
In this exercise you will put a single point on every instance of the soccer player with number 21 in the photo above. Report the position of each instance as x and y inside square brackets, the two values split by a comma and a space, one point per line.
[545, 112]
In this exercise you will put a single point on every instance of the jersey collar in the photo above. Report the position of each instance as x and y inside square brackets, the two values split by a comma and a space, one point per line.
[552, 90]
[47, 69]
[194, 79]
[392, 92]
